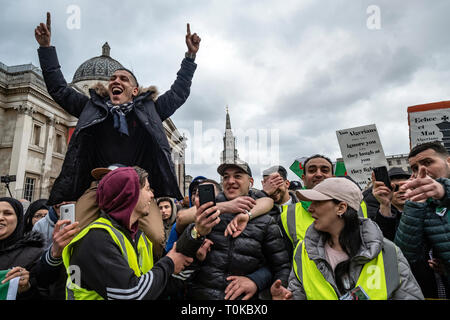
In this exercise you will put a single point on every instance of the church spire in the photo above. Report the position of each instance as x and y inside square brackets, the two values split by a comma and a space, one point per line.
[228, 122]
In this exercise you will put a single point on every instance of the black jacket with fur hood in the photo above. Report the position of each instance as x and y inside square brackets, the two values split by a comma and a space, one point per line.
[75, 175]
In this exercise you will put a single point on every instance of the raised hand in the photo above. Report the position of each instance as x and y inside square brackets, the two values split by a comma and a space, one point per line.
[42, 33]
[423, 187]
[206, 217]
[272, 183]
[62, 235]
[383, 195]
[192, 41]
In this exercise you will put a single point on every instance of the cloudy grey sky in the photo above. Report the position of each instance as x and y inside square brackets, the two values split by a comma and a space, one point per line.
[292, 72]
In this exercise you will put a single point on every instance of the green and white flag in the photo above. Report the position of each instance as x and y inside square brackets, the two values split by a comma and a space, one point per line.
[8, 290]
[297, 166]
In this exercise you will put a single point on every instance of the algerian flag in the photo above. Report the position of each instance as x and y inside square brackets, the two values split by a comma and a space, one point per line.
[297, 166]
[8, 290]
[340, 169]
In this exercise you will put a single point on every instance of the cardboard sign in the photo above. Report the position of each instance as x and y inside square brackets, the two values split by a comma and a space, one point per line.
[429, 122]
[361, 151]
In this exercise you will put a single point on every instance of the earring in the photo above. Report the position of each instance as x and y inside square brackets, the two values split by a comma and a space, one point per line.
[340, 215]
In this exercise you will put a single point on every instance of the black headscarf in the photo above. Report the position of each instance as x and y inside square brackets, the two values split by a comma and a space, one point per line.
[29, 214]
[18, 232]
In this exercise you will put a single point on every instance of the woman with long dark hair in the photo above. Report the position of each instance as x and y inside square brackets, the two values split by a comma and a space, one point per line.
[343, 256]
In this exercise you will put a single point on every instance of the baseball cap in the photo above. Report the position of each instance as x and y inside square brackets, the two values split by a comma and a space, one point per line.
[240, 165]
[99, 173]
[334, 188]
[294, 185]
[280, 169]
[398, 173]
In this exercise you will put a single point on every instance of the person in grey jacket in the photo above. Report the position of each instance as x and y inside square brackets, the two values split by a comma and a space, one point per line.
[344, 250]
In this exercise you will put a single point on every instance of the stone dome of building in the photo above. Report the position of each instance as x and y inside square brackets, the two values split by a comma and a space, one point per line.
[97, 68]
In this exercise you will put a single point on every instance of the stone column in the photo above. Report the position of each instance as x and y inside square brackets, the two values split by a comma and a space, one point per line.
[47, 163]
[19, 154]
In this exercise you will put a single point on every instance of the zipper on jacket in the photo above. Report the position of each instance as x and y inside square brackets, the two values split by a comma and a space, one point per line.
[230, 257]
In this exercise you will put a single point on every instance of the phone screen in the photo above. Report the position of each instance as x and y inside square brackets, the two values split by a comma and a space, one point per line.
[206, 194]
[67, 212]
[381, 174]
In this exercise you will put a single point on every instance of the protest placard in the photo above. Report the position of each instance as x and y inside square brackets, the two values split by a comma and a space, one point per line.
[429, 122]
[361, 151]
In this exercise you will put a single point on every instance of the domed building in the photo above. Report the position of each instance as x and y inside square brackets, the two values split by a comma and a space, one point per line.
[94, 70]
[35, 130]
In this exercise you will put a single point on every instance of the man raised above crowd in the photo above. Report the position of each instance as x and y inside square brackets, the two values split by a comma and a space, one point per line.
[122, 124]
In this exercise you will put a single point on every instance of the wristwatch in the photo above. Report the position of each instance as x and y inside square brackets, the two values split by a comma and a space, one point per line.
[194, 234]
[250, 216]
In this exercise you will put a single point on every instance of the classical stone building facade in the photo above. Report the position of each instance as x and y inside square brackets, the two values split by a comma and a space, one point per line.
[35, 130]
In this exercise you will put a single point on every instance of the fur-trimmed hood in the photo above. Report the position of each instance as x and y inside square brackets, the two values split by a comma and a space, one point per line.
[102, 91]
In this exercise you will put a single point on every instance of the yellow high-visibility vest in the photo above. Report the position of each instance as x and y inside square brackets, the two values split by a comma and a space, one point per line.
[140, 263]
[295, 220]
[363, 210]
[378, 278]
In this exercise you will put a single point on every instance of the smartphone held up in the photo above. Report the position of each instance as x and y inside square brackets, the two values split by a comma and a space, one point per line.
[381, 174]
[67, 212]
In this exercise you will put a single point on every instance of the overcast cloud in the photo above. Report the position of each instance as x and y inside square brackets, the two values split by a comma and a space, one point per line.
[299, 70]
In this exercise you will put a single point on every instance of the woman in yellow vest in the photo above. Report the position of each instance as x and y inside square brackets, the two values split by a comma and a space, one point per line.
[344, 256]
[111, 258]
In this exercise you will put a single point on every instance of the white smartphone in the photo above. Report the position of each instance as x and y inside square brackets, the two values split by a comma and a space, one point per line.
[67, 212]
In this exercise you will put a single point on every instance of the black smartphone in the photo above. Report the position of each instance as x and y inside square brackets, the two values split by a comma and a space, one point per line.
[381, 174]
[206, 194]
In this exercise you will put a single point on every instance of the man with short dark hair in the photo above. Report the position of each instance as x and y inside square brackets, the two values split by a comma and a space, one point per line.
[276, 185]
[433, 156]
[232, 269]
[424, 224]
[295, 218]
[120, 124]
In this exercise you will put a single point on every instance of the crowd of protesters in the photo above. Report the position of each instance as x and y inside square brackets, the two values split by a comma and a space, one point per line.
[135, 237]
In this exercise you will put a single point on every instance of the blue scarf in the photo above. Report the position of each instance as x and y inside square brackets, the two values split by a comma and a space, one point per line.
[119, 112]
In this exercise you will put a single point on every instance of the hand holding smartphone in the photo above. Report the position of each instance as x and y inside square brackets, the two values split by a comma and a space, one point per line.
[206, 194]
[67, 212]
[381, 174]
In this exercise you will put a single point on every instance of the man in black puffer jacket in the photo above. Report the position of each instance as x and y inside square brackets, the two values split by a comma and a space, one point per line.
[235, 268]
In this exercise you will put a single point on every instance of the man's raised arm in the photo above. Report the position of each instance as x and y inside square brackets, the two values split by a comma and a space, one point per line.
[174, 98]
[69, 99]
